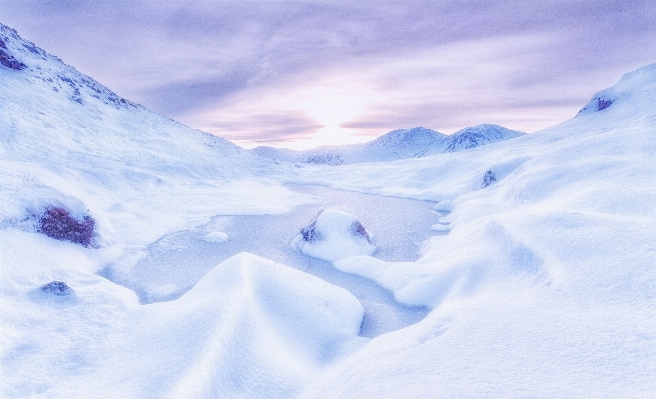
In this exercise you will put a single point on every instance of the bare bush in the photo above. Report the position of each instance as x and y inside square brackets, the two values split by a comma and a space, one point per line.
[58, 223]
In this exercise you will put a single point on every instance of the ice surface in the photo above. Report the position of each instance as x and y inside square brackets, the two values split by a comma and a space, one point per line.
[174, 263]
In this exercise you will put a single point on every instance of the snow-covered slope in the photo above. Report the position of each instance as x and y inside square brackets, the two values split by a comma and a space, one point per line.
[397, 144]
[541, 282]
[51, 112]
[538, 279]
[62, 132]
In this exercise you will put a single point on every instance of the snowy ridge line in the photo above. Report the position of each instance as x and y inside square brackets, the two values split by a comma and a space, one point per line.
[397, 144]
[54, 114]
[59, 76]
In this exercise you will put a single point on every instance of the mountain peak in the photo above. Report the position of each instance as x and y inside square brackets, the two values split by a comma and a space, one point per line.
[77, 121]
[418, 137]
[476, 136]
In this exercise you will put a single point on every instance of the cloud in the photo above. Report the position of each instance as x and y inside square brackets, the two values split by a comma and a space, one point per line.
[263, 128]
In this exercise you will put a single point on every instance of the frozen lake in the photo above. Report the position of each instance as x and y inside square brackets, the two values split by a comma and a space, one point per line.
[174, 263]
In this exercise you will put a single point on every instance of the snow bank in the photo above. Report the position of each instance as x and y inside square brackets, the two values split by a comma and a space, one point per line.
[249, 328]
[273, 328]
[334, 235]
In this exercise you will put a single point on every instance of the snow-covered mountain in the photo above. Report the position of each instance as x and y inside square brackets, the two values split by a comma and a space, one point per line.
[144, 259]
[394, 145]
[52, 112]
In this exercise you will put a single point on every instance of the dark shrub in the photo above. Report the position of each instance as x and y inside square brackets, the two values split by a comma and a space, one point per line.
[57, 287]
[489, 178]
[59, 224]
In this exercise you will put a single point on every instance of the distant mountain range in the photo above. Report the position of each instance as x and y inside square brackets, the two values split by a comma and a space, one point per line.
[397, 144]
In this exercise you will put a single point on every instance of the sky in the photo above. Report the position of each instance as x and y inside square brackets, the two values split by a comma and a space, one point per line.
[299, 74]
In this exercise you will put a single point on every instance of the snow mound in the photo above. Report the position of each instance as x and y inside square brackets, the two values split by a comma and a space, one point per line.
[334, 235]
[273, 328]
[446, 206]
[216, 237]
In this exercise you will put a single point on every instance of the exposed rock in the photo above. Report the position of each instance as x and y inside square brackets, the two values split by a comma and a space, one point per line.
[599, 102]
[58, 288]
[489, 178]
[10, 62]
[310, 233]
[603, 104]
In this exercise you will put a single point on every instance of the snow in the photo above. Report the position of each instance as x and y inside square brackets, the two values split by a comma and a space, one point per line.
[440, 227]
[397, 144]
[446, 206]
[536, 282]
[249, 327]
[334, 235]
[216, 237]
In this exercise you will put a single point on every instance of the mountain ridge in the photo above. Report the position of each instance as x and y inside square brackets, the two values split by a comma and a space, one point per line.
[75, 119]
[397, 144]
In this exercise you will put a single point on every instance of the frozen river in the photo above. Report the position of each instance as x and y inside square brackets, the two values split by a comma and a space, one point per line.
[174, 263]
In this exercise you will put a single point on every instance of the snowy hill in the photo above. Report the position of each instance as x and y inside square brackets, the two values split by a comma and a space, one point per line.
[61, 130]
[53, 113]
[144, 259]
[397, 144]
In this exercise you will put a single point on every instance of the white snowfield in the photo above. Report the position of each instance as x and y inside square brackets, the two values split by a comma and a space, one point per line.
[541, 282]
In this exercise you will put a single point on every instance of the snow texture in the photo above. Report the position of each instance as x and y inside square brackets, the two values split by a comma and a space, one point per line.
[540, 284]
